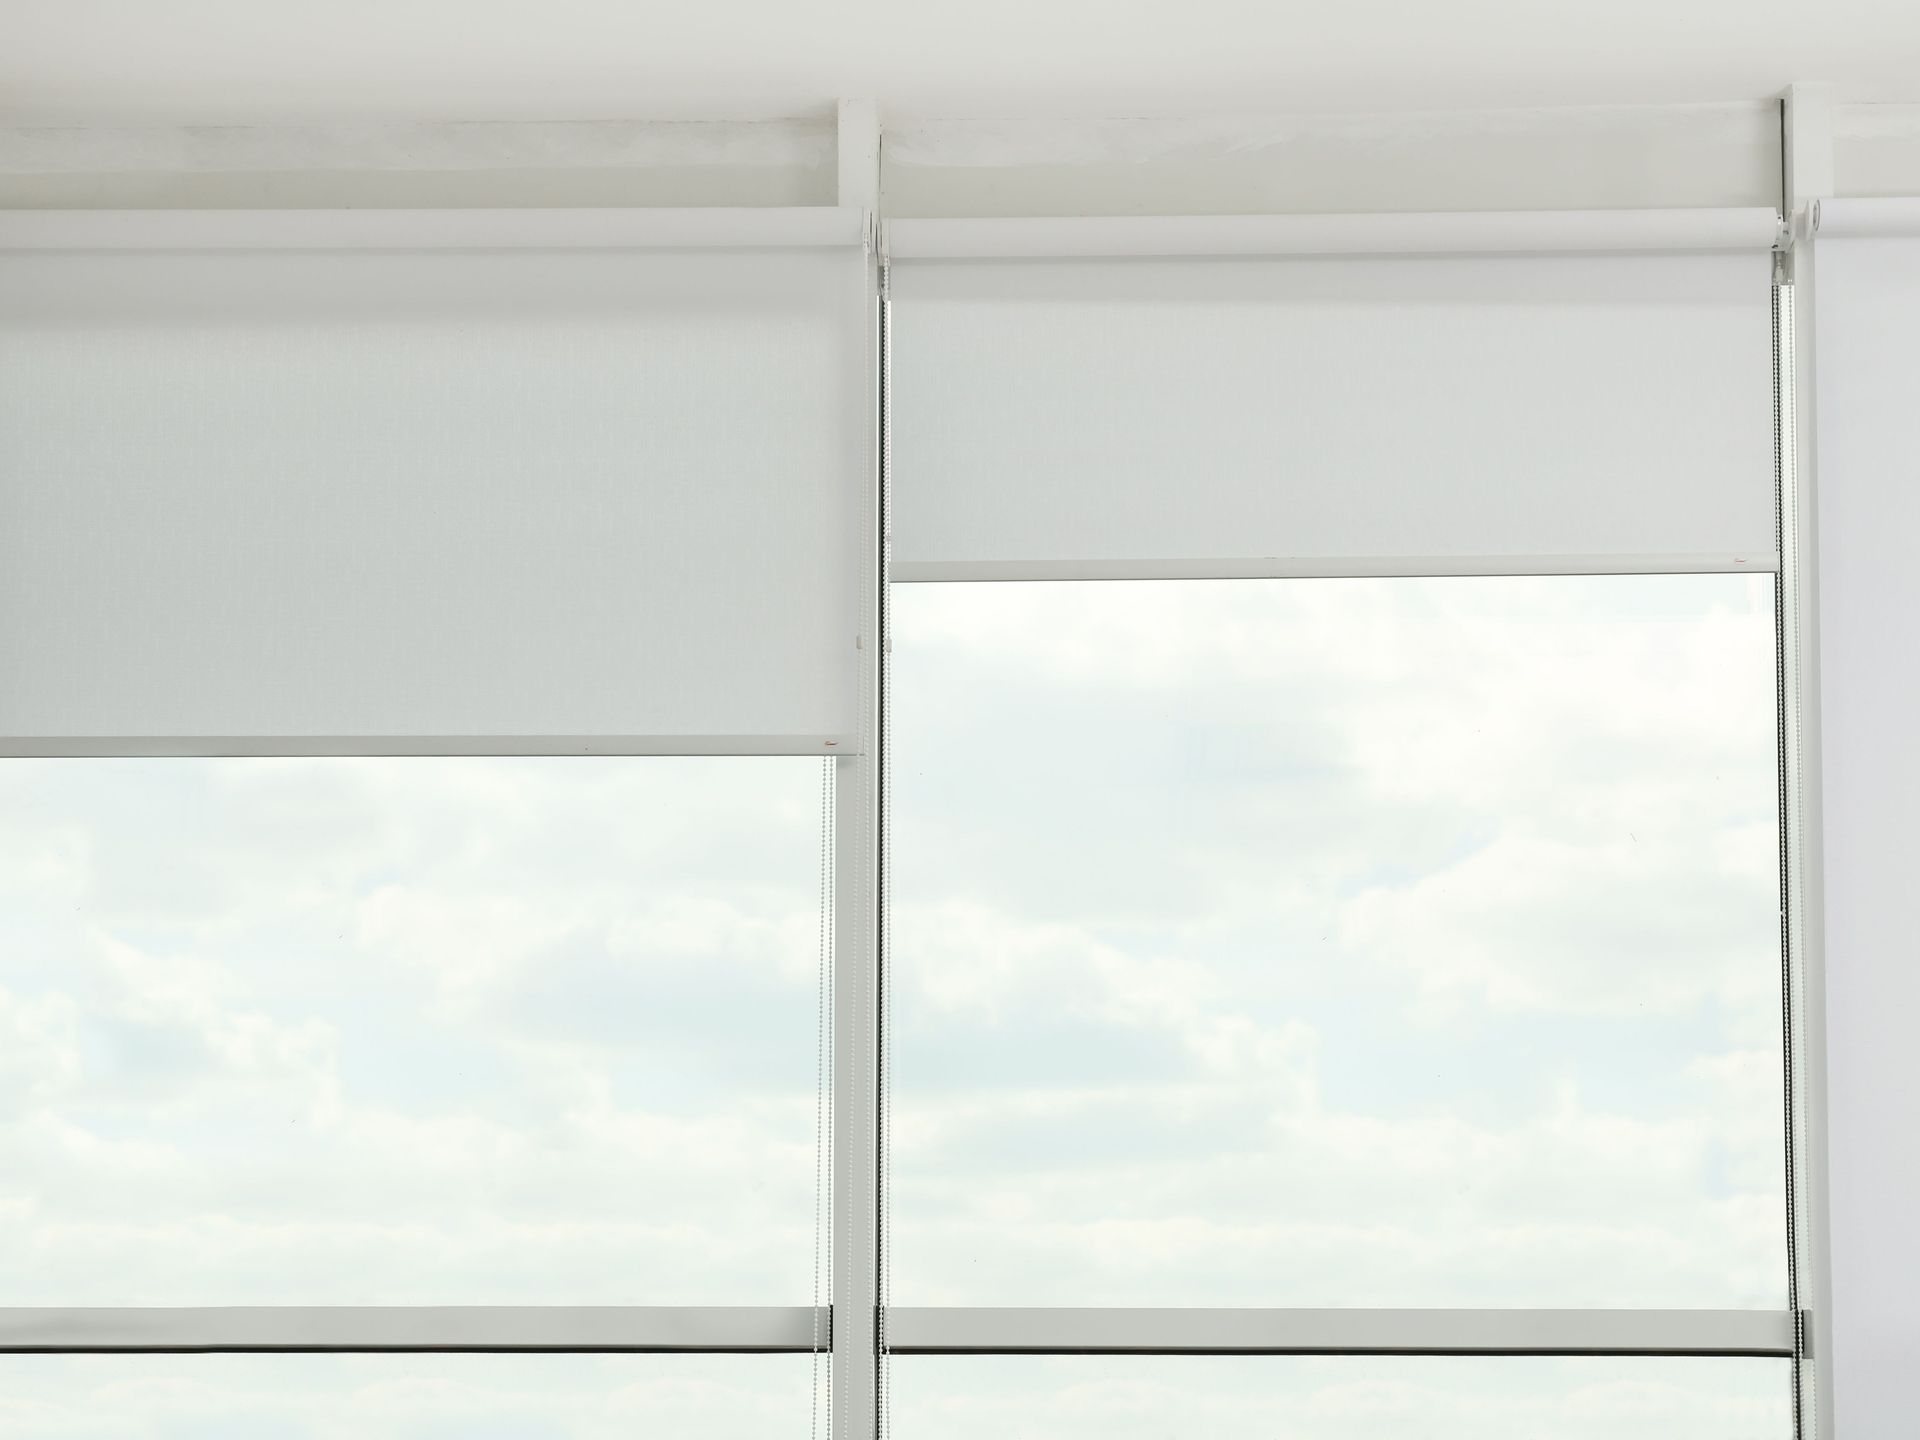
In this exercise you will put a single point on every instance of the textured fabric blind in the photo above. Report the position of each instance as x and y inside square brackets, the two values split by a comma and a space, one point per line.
[1313, 415]
[602, 495]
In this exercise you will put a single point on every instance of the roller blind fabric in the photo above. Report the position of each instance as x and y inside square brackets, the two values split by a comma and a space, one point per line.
[1866, 312]
[1088, 416]
[463, 493]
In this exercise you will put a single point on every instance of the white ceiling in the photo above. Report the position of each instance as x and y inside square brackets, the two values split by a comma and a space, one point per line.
[240, 60]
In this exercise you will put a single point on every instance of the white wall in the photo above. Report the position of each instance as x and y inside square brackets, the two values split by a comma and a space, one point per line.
[1868, 362]
[212, 60]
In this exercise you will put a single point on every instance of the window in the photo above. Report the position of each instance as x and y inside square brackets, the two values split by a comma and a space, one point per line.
[1398, 943]
[1384, 944]
[416, 1031]
[1337, 875]
[1340, 1398]
[686, 800]
[400, 1397]
[414, 931]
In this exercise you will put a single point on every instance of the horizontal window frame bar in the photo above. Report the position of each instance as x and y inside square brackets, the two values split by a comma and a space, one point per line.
[1488, 232]
[402, 1329]
[799, 227]
[1078, 1331]
[911, 1330]
[1288, 567]
[100, 747]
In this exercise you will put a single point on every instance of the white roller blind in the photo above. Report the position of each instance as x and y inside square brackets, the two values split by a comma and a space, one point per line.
[1313, 415]
[1866, 311]
[601, 495]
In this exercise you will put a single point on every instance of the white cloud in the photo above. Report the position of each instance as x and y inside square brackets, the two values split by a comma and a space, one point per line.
[307, 1073]
[1394, 943]
[1065, 1398]
[1621, 927]
[493, 1397]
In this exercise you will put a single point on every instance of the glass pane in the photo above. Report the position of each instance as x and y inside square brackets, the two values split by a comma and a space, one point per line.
[1342, 942]
[1349, 1398]
[410, 1031]
[402, 1397]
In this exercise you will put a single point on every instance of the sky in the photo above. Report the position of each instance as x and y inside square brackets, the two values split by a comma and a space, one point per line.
[1404, 943]
[407, 1031]
[1395, 943]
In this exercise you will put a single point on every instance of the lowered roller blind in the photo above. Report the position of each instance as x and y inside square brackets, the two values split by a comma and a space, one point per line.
[1313, 415]
[446, 498]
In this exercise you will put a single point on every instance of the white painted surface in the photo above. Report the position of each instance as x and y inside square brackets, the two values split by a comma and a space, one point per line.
[1714, 157]
[1876, 149]
[1869, 497]
[597, 228]
[1889, 217]
[1062, 412]
[465, 59]
[431, 493]
[1560, 158]
[413, 164]
[1521, 232]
